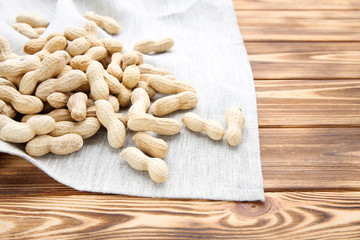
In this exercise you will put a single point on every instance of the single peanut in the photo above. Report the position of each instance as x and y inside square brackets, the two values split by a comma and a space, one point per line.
[15, 67]
[83, 61]
[25, 29]
[33, 20]
[51, 66]
[60, 114]
[35, 45]
[114, 66]
[5, 51]
[19, 132]
[140, 102]
[67, 83]
[85, 129]
[156, 147]
[131, 76]
[8, 110]
[98, 86]
[78, 46]
[131, 58]
[235, 120]
[145, 85]
[115, 128]
[5, 82]
[147, 122]
[211, 127]
[147, 46]
[112, 45]
[61, 145]
[72, 33]
[107, 23]
[77, 106]
[58, 99]
[24, 104]
[180, 101]
[112, 82]
[54, 44]
[138, 160]
[164, 85]
[147, 68]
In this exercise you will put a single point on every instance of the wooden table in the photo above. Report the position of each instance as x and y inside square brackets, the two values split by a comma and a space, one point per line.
[305, 56]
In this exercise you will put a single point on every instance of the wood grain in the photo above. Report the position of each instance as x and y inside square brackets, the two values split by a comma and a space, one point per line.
[301, 215]
[302, 26]
[292, 159]
[308, 103]
[296, 5]
[299, 60]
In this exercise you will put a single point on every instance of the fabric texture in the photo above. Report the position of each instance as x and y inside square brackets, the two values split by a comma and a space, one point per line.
[209, 54]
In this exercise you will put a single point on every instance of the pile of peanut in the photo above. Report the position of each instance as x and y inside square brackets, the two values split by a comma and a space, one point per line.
[72, 83]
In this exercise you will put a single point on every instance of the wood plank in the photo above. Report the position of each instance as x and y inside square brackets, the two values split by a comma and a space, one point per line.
[301, 215]
[302, 26]
[292, 159]
[296, 5]
[300, 60]
[308, 103]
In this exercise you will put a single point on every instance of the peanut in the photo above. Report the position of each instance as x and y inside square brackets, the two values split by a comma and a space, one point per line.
[8, 110]
[156, 147]
[145, 85]
[54, 44]
[33, 20]
[77, 106]
[115, 128]
[83, 61]
[91, 29]
[211, 127]
[25, 29]
[51, 66]
[114, 66]
[107, 23]
[58, 99]
[78, 46]
[72, 33]
[61, 145]
[140, 102]
[65, 70]
[98, 86]
[4, 120]
[164, 85]
[147, 68]
[147, 122]
[40, 30]
[24, 104]
[15, 67]
[124, 96]
[67, 83]
[5, 82]
[235, 120]
[19, 132]
[91, 108]
[60, 114]
[35, 45]
[112, 82]
[147, 46]
[138, 160]
[85, 129]
[112, 45]
[180, 101]
[5, 51]
[131, 58]
[131, 76]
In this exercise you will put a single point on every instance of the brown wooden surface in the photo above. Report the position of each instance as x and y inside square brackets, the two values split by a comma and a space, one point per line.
[305, 56]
